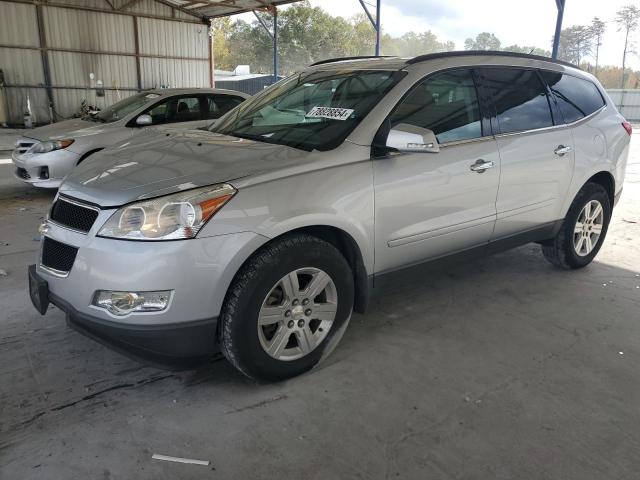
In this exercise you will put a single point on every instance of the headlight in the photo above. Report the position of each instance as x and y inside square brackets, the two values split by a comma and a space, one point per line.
[173, 217]
[50, 145]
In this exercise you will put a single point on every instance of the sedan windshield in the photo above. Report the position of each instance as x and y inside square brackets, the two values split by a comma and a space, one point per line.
[119, 110]
[312, 110]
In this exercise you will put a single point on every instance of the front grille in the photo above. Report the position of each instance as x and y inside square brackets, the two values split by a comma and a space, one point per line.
[23, 146]
[22, 173]
[58, 256]
[73, 215]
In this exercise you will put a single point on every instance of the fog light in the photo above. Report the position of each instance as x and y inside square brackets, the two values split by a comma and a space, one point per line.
[44, 173]
[123, 303]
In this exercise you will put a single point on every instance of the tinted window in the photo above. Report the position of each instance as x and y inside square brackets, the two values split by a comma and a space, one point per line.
[218, 105]
[445, 103]
[576, 97]
[520, 98]
[176, 109]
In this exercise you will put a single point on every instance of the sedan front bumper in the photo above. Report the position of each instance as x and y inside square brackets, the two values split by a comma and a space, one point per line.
[31, 167]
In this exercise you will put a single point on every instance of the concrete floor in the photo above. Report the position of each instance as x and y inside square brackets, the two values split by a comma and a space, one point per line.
[502, 369]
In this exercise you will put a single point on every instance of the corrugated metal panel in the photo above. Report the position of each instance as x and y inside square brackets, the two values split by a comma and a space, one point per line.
[18, 25]
[162, 37]
[250, 85]
[82, 30]
[17, 104]
[21, 66]
[158, 72]
[150, 7]
[69, 101]
[185, 16]
[73, 69]
[628, 103]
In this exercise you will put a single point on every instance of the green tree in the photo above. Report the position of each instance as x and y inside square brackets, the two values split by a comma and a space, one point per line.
[528, 50]
[627, 21]
[576, 43]
[483, 41]
[598, 27]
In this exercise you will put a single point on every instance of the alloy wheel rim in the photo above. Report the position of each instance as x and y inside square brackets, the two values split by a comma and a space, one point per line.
[297, 314]
[588, 228]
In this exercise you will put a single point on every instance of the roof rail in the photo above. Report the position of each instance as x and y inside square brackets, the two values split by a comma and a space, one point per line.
[495, 53]
[340, 59]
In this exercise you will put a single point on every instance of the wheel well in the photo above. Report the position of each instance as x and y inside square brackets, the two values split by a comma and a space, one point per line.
[606, 180]
[90, 152]
[349, 248]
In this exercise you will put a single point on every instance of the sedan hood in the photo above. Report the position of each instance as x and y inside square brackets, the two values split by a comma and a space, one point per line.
[68, 129]
[161, 162]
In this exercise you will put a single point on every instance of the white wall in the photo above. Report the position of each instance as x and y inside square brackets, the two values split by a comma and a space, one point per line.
[628, 103]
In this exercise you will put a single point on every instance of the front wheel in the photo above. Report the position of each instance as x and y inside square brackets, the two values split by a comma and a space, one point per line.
[583, 229]
[286, 308]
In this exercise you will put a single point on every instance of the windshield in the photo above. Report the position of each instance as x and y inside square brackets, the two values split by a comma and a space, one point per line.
[119, 110]
[311, 110]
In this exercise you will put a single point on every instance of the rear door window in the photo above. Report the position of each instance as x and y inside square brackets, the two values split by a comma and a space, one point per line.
[445, 103]
[218, 105]
[576, 97]
[176, 109]
[520, 98]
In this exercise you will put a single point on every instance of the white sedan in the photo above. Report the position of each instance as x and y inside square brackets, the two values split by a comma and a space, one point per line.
[45, 155]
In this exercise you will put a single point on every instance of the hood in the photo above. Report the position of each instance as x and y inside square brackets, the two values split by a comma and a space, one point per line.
[68, 129]
[161, 162]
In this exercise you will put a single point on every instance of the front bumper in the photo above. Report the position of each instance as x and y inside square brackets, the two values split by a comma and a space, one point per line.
[30, 167]
[168, 345]
[198, 271]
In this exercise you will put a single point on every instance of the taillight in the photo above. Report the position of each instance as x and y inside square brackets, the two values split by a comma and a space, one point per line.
[627, 126]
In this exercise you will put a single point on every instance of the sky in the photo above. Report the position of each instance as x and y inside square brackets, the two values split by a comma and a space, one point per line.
[523, 22]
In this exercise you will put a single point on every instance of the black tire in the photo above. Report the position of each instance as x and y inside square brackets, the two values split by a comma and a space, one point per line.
[238, 327]
[560, 251]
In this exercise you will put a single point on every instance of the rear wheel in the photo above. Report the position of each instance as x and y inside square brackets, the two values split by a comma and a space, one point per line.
[583, 230]
[286, 308]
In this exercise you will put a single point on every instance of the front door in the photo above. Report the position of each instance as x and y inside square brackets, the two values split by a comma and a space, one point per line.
[431, 204]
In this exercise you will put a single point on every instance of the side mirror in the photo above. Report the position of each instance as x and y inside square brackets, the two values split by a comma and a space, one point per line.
[412, 139]
[144, 120]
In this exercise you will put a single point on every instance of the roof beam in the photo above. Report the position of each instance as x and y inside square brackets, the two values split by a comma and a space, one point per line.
[183, 10]
[128, 4]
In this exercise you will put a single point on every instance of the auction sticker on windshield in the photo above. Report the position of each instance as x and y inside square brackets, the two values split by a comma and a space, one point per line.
[330, 112]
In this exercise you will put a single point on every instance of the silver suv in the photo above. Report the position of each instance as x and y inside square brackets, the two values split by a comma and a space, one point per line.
[260, 236]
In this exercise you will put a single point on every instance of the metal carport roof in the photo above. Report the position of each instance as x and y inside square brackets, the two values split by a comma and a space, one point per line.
[224, 8]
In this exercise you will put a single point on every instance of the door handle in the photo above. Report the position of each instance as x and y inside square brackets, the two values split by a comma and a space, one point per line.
[561, 150]
[481, 166]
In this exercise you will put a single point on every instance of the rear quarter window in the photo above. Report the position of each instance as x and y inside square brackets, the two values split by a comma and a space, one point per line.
[575, 96]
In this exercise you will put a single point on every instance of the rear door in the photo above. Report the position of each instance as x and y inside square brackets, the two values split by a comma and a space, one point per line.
[183, 111]
[536, 150]
[216, 105]
[432, 204]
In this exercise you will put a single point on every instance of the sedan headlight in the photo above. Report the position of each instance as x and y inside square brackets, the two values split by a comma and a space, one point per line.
[173, 217]
[50, 145]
